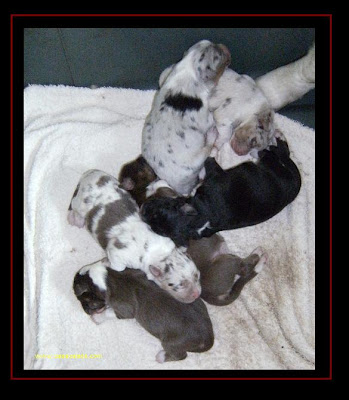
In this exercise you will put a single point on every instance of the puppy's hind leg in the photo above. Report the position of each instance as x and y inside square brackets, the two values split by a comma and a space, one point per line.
[263, 259]
[248, 269]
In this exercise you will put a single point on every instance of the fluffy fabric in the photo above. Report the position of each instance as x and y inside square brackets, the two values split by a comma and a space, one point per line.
[69, 130]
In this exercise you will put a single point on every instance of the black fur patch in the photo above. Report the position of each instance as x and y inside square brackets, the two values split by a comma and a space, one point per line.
[183, 103]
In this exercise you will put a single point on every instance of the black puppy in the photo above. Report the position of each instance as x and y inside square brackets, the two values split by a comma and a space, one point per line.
[180, 327]
[245, 195]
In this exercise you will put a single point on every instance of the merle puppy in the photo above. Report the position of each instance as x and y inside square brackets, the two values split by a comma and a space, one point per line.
[129, 294]
[245, 195]
[179, 132]
[112, 217]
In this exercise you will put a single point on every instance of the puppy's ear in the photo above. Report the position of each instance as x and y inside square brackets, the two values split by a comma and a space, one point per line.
[156, 272]
[164, 74]
[188, 209]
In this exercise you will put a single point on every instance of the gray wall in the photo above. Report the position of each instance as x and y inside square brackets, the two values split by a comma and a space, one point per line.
[135, 57]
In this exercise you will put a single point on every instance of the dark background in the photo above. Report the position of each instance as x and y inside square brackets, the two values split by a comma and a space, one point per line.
[135, 57]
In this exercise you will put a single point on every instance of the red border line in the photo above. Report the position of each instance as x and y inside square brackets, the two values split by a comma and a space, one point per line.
[11, 197]
[331, 196]
[171, 15]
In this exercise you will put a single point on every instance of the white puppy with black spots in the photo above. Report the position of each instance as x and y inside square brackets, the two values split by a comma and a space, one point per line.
[242, 113]
[244, 109]
[179, 132]
[112, 217]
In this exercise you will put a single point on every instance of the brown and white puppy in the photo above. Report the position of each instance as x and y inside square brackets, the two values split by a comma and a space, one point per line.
[180, 327]
[179, 132]
[112, 217]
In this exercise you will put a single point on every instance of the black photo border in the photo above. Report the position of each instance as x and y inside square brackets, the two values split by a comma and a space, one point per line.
[323, 24]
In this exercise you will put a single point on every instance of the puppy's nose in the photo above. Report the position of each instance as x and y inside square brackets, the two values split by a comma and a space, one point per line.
[196, 293]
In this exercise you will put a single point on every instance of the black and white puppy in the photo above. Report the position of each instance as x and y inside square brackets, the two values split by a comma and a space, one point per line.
[179, 132]
[112, 217]
[181, 328]
[245, 195]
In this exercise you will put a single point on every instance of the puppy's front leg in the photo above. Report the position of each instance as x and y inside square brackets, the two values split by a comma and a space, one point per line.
[211, 136]
[224, 135]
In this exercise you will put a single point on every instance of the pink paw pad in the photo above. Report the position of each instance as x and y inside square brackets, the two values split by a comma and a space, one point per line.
[160, 357]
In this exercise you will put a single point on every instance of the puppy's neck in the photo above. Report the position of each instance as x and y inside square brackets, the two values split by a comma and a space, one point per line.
[158, 249]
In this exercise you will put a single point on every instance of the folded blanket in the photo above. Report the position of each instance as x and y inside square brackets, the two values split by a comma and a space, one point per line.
[69, 130]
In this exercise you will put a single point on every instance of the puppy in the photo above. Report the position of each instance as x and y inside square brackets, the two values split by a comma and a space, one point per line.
[179, 132]
[245, 195]
[244, 109]
[223, 275]
[112, 217]
[181, 328]
[135, 176]
[289, 82]
[242, 113]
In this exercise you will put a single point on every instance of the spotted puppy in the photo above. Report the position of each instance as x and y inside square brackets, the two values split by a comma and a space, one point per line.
[245, 195]
[181, 328]
[242, 113]
[179, 132]
[135, 176]
[112, 217]
[244, 108]
[222, 274]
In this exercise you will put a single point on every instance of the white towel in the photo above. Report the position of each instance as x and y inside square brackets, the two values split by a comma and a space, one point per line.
[69, 130]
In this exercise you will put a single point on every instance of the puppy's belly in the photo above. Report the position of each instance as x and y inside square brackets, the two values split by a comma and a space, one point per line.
[180, 169]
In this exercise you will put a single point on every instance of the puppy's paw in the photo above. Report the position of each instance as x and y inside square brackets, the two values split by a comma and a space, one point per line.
[161, 356]
[279, 135]
[259, 251]
[202, 174]
[75, 219]
[211, 136]
[263, 260]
